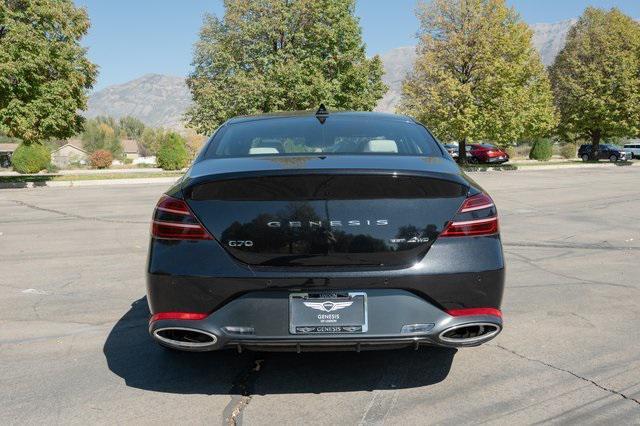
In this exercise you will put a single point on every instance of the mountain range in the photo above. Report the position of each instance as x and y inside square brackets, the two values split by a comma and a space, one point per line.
[161, 100]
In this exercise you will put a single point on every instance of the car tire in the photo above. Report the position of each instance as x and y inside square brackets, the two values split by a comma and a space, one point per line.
[613, 158]
[585, 157]
[473, 160]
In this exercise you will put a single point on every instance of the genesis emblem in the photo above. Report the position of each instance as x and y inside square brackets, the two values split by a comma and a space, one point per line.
[327, 306]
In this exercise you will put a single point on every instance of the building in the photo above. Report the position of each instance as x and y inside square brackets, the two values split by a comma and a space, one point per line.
[131, 148]
[70, 153]
[6, 151]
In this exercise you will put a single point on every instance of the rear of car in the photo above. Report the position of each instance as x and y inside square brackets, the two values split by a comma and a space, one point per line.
[301, 232]
[487, 153]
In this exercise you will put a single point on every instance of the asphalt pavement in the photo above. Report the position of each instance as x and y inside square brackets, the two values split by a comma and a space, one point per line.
[74, 347]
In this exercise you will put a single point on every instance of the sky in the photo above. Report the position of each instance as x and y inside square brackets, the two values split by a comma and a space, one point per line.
[130, 38]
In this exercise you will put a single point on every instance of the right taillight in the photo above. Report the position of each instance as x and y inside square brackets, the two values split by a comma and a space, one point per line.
[477, 217]
[173, 220]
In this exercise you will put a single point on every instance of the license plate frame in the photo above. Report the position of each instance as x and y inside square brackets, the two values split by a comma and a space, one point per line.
[329, 305]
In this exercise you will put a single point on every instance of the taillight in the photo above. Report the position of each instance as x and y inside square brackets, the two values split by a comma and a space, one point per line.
[477, 217]
[173, 220]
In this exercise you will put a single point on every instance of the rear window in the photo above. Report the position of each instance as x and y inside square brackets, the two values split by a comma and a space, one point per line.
[338, 135]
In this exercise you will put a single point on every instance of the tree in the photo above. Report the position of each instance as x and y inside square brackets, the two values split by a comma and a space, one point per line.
[173, 154]
[102, 133]
[151, 140]
[596, 77]
[131, 127]
[477, 75]
[44, 72]
[273, 55]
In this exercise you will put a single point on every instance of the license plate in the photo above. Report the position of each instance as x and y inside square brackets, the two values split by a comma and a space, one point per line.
[327, 313]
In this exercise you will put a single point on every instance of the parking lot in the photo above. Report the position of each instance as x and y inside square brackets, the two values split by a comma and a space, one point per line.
[74, 347]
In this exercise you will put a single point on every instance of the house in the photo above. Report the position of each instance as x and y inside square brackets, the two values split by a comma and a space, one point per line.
[69, 153]
[131, 148]
[6, 151]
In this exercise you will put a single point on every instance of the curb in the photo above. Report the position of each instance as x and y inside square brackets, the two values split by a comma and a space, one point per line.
[96, 182]
[521, 168]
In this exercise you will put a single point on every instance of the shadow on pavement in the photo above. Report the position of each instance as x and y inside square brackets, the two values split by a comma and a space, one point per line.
[132, 355]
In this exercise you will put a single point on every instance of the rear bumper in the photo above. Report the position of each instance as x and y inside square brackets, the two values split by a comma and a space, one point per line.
[260, 320]
[456, 273]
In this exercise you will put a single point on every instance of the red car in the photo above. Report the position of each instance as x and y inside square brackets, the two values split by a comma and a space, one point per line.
[486, 153]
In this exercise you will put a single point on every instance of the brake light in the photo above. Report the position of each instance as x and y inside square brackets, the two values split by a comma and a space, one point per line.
[192, 316]
[173, 220]
[477, 217]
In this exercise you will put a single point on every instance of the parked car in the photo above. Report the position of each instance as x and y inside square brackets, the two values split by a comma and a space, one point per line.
[452, 149]
[633, 148]
[344, 239]
[486, 153]
[604, 152]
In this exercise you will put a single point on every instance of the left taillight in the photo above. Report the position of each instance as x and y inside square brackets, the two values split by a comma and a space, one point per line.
[476, 217]
[173, 220]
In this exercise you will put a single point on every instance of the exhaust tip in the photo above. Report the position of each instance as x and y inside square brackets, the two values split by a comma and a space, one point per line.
[470, 334]
[187, 338]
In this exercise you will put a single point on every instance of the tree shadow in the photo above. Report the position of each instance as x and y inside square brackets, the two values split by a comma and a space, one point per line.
[132, 355]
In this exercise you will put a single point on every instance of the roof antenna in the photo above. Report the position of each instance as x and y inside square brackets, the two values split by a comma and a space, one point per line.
[322, 114]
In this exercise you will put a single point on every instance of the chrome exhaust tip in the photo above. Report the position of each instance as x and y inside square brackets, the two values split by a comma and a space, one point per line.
[185, 338]
[470, 334]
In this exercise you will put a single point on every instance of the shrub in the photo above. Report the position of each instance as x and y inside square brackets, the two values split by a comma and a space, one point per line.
[173, 154]
[31, 158]
[101, 159]
[568, 150]
[511, 151]
[541, 150]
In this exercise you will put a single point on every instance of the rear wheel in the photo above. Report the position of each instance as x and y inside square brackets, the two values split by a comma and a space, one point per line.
[613, 158]
[585, 157]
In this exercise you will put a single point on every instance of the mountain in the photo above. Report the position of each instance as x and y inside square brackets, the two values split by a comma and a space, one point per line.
[161, 100]
[157, 100]
[397, 63]
[549, 39]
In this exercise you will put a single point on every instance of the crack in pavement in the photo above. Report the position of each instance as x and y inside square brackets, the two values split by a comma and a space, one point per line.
[585, 379]
[577, 246]
[533, 264]
[74, 216]
[242, 392]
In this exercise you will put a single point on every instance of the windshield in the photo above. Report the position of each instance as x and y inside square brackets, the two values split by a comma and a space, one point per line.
[346, 135]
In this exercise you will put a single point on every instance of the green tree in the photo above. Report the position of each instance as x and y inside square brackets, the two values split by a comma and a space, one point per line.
[173, 154]
[477, 75]
[102, 133]
[273, 55]
[44, 72]
[131, 127]
[596, 77]
[151, 140]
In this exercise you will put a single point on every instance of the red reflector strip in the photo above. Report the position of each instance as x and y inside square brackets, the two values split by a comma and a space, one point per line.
[474, 311]
[471, 228]
[177, 316]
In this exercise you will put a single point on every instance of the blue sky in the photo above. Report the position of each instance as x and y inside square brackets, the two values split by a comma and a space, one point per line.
[129, 38]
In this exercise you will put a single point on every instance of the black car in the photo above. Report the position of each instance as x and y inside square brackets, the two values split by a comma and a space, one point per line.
[604, 152]
[308, 231]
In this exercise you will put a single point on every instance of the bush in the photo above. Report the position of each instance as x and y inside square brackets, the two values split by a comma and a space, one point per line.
[511, 151]
[101, 159]
[173, 154]
[568, 150]
[31, 158]
[541, 150]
